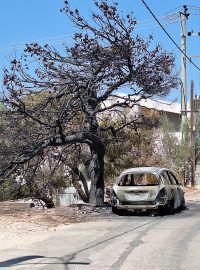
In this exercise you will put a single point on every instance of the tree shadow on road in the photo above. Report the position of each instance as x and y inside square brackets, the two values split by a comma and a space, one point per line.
[20, 261]
[67, 260]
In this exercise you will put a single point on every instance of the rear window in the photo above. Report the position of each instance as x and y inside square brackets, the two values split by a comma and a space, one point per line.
[139, 179]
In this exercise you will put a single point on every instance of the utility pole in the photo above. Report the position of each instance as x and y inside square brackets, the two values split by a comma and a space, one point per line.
[184, 16]
[192, 135]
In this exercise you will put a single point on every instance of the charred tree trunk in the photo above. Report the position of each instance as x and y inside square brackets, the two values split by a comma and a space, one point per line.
[76, 176]
[96, 173]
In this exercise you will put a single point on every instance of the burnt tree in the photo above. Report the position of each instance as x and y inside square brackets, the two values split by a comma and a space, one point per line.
[73, 91]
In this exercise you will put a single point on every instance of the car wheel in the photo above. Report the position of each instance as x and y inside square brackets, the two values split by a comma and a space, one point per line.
[153, 213]
[119, 212]
[114, 210]
[171, 207]
[183, 204]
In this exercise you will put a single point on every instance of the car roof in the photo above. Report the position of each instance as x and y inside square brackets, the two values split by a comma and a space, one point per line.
[143, 169]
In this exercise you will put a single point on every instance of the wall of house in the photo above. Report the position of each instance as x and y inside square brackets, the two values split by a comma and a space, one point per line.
[175, 119]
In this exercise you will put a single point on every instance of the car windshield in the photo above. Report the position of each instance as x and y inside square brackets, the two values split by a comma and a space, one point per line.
[139, 179]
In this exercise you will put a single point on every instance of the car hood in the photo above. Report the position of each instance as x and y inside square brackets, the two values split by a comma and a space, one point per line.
[136, 193]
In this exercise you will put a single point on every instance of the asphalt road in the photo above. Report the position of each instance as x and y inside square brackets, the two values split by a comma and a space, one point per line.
[128, 242]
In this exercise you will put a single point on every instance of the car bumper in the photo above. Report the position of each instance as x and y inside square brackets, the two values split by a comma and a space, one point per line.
[137, 207]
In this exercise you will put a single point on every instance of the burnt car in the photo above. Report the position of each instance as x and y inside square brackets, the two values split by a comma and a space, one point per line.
[149, 189]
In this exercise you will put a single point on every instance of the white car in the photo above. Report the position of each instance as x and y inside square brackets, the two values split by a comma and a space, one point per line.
[150, 189]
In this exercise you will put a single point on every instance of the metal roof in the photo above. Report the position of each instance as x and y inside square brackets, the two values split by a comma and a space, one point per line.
[143, 169]
[159, 105]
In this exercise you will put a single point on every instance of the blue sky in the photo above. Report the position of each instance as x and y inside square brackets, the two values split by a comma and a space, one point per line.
[40, 20]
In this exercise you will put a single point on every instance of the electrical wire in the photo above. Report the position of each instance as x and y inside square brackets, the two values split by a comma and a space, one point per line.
[174, 42]
[151, 23]
[194, 7]
[169, 18]
[173, 10]
[160, 18]
[152, 26]
[21, 45]
[144, 24]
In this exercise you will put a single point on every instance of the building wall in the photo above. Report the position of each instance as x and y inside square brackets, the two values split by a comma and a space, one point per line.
[175, 119]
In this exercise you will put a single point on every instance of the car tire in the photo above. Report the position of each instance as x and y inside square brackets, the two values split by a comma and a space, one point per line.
[119, 212]
[183, 204]
[170, 208]
[114, 210]
[154, 213]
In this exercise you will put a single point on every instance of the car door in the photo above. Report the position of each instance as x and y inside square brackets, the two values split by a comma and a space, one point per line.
[167, 183]
[177, 190]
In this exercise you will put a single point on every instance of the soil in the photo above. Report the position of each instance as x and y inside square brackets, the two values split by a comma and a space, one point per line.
[18, 217]
[13, 215]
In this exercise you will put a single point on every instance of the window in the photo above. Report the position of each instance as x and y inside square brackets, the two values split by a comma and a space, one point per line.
[166, 178]
[172, 178]
[139, 179]
[126, 180]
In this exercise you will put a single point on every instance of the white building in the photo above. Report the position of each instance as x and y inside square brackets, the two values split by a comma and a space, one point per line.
[149, 105]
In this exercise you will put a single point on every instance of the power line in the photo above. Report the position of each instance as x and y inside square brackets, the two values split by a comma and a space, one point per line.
[173, 18]
[173, 10]
[165, 17]
[143, 24]
[20, 45]
[169, 18]
[170, 36]
[194, 7]
[152, 26]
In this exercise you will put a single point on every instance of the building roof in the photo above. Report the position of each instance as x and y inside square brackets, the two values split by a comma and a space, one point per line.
[159, 105]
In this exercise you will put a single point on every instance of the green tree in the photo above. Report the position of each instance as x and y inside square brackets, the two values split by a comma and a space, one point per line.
[175, 151]
[133, 148]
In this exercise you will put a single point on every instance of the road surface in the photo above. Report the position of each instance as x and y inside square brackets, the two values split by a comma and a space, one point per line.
[116, 243]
